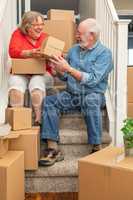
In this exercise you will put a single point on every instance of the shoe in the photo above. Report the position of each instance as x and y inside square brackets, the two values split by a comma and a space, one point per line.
[96, 147]
[50, 157]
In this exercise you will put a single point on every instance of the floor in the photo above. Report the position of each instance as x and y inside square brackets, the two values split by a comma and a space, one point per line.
[52, 196]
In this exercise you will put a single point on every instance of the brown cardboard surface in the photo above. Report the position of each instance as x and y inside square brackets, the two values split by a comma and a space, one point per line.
[3, 147]
[106, 175]
[12, 176]
[19, 118]
[63, 30]
[4, 143]
[29, 142]
[28, 66]
[55, 14]
[130, 84]
[130, 110]
[52, 46]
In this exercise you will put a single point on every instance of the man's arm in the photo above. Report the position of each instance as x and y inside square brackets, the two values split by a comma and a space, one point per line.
[63, 67]
[100, 69]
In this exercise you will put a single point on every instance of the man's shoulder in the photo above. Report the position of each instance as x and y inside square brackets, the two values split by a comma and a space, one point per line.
[101, 48]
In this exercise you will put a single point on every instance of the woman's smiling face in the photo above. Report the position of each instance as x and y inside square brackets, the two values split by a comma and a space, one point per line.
[36, 28]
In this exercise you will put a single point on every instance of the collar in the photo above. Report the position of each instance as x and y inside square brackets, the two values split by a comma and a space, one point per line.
[93, 47]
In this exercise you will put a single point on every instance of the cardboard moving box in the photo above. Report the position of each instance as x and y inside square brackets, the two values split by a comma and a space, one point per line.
[12, 176]
[55, 14]
[29, 142]
[130, 110]
[107, 174]
[28, 66]
[19, 117]
[4, 143]
[52, 46]
[63, 30]
[130, 84]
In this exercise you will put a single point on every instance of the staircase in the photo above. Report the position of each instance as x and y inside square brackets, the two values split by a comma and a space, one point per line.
[63, 176]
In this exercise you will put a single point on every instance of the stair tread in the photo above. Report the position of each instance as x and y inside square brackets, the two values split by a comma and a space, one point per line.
[68, 136]
[67, 167]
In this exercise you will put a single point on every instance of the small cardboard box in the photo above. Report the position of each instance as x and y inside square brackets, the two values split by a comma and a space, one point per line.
[107, 174]
[29, 142]
[63, 30]
[12, 176]
[28, 66]
[130, 110]
[52, 46]
[130, 84]
[55, 14]
[19, 118]
[4, 141]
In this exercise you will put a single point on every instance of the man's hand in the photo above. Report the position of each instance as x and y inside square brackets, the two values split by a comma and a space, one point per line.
[60, 64]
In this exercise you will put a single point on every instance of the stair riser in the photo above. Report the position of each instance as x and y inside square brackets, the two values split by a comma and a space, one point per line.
[51, 184]
[74, 150]
[76, 123]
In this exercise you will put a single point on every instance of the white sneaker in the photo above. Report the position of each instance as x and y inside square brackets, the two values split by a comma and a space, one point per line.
[5, 129]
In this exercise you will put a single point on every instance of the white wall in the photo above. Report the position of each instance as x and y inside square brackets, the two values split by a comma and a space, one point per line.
[123, 4]
[7, 24]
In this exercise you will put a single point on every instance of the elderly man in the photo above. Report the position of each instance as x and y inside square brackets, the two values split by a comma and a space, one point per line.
[85, 71]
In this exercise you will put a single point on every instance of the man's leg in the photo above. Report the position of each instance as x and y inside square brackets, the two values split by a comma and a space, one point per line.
[52, 107]
[91, 106]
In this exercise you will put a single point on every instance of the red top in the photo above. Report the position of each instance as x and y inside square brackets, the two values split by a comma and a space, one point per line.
[20, 42]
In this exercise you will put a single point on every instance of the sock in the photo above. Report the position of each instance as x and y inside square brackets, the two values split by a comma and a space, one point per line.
[52, 144]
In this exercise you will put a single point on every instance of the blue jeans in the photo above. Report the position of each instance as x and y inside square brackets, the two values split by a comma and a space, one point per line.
[89, 105]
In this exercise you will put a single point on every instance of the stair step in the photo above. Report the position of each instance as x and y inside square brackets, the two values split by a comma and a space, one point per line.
[74, 143]
[61, 177]
[68, 136]
[75, 121]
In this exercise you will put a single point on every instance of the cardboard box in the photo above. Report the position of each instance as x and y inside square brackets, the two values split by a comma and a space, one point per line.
[106, 175]
[3, 147]
[19, 118]
[52, 46]
[29, 142]
[130, 84]
[28, 66]
[55, 14]
[63, 30]
[130, 110]
[12, 176]
[4, 143]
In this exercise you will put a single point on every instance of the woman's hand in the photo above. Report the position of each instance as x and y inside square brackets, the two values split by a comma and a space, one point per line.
[32, 53]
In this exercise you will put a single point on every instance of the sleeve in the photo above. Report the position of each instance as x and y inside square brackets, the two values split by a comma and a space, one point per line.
[65, 76]
[100, 69]
[15, 46]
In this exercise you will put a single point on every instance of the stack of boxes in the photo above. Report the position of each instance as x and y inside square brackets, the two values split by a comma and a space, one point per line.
[20, 119]
[11, 170]
[61, 24]
[130, 92]
[19, 151]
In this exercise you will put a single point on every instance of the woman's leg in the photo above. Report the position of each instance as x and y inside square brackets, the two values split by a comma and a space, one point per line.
[17, 86]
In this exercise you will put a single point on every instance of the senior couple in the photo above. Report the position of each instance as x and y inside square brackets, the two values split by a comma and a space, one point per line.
[85, 70]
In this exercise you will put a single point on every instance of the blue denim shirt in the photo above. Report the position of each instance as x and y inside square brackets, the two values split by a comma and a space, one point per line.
[95, 65]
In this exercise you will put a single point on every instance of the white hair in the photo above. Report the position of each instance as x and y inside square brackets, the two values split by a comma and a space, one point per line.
[92, 26]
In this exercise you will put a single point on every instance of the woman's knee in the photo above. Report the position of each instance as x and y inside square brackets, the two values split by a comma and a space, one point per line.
[16, 98]
[37, 97]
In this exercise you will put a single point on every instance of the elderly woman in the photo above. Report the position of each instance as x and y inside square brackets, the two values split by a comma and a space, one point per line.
[25, 43]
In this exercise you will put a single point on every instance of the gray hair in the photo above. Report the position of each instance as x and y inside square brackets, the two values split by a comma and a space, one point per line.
[92, 26]
[27, 20]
